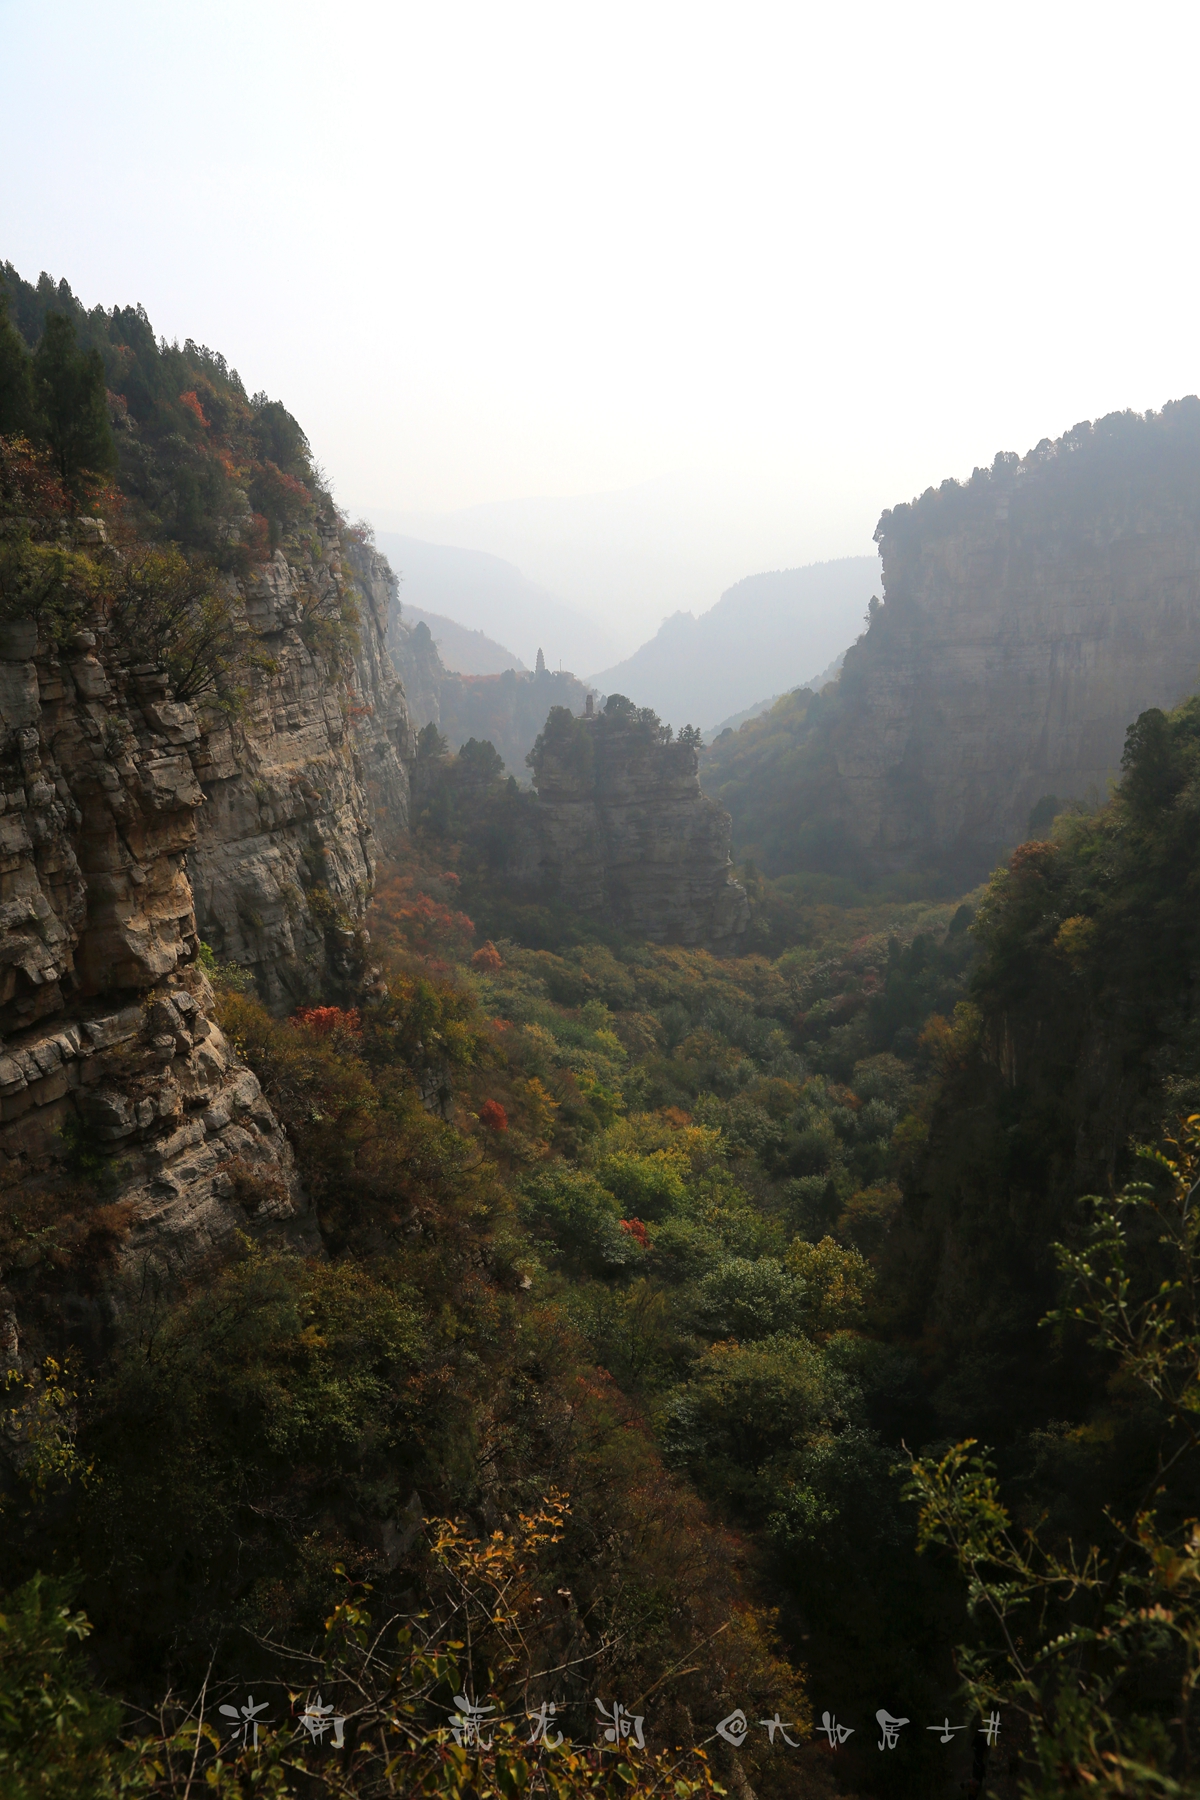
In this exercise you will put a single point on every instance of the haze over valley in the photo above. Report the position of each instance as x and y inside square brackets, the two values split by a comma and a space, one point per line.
[599, 948]
[766, 633]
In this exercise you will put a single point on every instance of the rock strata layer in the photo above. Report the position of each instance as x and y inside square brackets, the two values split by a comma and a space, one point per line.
[113, 1071]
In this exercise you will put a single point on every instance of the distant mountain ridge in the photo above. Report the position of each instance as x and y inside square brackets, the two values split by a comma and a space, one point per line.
[484, 593]
[766, 634]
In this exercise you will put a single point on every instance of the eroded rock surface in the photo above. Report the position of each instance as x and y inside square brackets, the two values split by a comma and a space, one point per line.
[114, 1076]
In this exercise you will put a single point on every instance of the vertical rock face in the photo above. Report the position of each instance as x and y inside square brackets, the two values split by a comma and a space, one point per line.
[1031, 615]
[293, 785]
[383, 725]
[124, 818]
[99, 798]
[110, 1049]
[622, 828]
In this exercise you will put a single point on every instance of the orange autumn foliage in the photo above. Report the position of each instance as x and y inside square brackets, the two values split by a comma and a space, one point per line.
[493, 1115]
[192, 401]
[323, 1021]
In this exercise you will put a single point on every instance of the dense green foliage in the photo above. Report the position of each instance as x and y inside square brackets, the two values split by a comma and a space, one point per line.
[1104, 1691]
[56, 1731]
[575, 750]
[702, 1244]
[70, 404]
[57, 397]
[198, 461]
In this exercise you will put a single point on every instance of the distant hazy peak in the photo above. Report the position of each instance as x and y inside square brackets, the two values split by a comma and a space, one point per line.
[482, 592]
[765, 635]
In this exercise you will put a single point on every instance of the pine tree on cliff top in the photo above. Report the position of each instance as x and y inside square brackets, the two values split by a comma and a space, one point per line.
[16, 387]
[70, 391]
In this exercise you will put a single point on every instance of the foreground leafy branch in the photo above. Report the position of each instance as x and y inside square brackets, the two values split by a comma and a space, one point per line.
[1097, 1650]
[371, 1712]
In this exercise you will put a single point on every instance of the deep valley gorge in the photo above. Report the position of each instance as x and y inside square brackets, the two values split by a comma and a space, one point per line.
[564, 1258]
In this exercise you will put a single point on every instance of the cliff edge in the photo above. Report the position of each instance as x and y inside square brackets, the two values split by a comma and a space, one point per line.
[135, 1145]
[123, 1109]
[1029, 615]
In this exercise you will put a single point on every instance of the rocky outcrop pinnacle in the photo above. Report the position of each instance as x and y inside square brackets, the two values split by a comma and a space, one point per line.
[623, 830]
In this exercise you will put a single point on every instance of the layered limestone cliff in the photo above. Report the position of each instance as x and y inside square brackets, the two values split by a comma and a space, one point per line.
[296, 781]
[1030, 615]
[116, 1084]
[132, 827]
[621, 829]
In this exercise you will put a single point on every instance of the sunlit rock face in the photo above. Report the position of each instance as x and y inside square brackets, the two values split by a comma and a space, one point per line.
[132, 827]
[1031, 614]
[120, 1098]
[297, 783]
[625, 832]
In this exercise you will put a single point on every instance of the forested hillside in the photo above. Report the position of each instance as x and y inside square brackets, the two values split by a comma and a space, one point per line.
[770, 776]
[200, 462]
[578, 1377]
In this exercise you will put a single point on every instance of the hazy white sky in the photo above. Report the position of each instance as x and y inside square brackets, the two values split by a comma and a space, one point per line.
[779, 265]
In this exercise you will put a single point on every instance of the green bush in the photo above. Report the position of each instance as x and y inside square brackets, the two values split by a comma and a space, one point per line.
[58, 1734]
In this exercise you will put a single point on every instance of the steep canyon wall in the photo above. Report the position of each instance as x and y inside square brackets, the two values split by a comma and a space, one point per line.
[1030, 615]
[131, 827]
[285, 850]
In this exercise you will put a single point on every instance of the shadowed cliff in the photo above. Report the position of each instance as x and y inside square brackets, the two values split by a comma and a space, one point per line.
[1030, 614]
